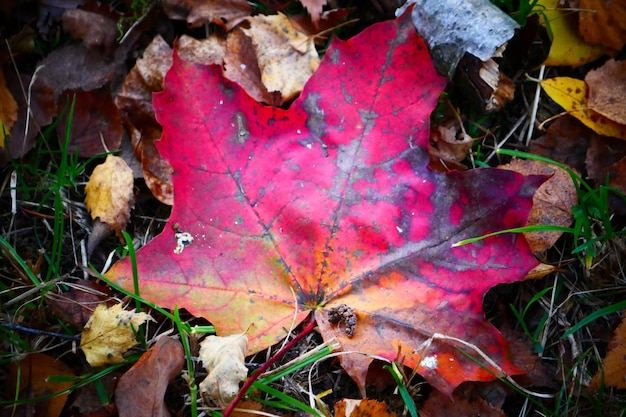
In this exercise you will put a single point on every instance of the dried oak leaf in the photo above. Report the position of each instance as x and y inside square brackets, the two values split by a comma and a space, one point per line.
[242, 67]
[141, 389]
[607, 90]
[552, 203]
[226, 13]
[287, 58]
[332, 199]
[109, 333]
[223, 358]
[109, 193]
[135, 104]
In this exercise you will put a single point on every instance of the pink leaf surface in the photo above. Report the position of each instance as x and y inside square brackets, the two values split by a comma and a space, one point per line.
[330, 202]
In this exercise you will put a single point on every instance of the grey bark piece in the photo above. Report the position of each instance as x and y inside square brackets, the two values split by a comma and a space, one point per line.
[453, 27]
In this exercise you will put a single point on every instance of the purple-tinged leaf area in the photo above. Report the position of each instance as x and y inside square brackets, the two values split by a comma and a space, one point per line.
[331, 202]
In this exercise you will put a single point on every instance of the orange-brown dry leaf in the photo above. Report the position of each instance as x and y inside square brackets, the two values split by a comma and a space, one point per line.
[223, 358]
[568, 47]
[109, 333]
[607, 90]
[141, 389]
[362, 408]
[540, 271]
[286, 57]
[109, 193]
[603, 22]
[8, 107]
[571, 94]
[39, 111]
[34, 372]
[552, 202]
[246, 408]
[440, 405]
[242, 67]
[226, 13]
[613, 372]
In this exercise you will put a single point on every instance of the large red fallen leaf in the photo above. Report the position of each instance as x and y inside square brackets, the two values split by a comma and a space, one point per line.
[331, 202]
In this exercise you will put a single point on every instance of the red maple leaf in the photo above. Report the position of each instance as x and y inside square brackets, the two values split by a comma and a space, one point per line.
[330, 202]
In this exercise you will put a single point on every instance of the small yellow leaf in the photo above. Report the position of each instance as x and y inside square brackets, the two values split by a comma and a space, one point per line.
[287, 58]
[568, 47]
[540, 271]
[109, 193]
[108, 334]
[571, 94]
[223, 358]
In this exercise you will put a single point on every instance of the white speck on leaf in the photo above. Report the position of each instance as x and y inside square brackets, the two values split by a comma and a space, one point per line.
[430, 362]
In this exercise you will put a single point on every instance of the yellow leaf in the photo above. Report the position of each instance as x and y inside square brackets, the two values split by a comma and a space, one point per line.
[568, 47]
[109, 193]
[223, 358]
[571, 94]
[287, 58]
[108, 334]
